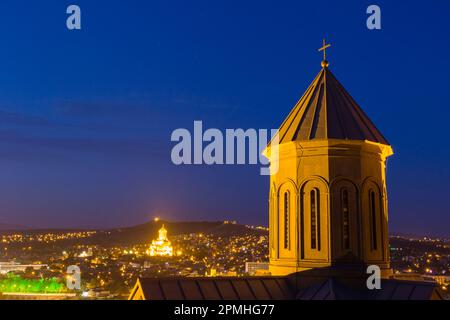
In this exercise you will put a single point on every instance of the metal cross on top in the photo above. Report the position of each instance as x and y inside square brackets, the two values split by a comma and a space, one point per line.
[324, 49]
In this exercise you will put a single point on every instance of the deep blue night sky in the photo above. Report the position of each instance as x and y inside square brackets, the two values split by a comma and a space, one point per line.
[86, 116]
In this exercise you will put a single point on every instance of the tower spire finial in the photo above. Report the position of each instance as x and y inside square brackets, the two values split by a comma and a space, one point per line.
[324, 49]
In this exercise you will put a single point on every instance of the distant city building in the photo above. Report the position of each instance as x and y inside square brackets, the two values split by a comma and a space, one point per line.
[161, 246]
[86, 254]
[221, 273]
[254, 268]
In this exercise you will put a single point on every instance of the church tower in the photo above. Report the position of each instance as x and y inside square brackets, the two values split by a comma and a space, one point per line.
[328, 199]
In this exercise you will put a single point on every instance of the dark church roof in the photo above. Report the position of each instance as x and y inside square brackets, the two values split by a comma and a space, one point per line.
[391, 289]
[407, 290]
[327, 111]
[228, 288]
[290, 287]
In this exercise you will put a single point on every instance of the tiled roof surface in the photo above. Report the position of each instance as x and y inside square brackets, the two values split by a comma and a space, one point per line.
[230, 288]
[280, 288]
[391, 289]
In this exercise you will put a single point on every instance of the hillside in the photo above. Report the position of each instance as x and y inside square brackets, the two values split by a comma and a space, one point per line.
[144, 233]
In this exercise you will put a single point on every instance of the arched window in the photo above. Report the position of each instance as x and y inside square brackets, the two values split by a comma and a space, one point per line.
[345, 220]
[315, 219]
[286, 220]
[373, 218]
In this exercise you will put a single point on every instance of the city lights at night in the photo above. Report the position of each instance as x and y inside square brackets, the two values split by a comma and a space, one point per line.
[222, 159]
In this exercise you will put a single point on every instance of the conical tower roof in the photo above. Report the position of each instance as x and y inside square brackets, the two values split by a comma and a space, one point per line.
[327, 111]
